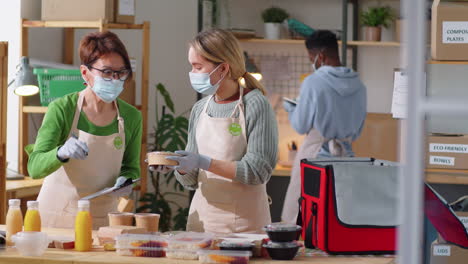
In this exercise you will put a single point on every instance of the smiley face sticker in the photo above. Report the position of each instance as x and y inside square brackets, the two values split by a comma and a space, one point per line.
[235, 129]
[118, 142]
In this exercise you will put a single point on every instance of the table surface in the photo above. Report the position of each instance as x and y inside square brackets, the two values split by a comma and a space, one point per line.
[98, 256]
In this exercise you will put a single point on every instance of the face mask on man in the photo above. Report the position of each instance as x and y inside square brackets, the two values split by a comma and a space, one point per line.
[201, 82]
[108, 91]
[314, 68]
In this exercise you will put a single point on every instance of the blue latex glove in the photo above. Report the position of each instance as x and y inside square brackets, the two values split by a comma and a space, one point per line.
[125, 191]
[190, 161]
[288, 106]
[73, 148]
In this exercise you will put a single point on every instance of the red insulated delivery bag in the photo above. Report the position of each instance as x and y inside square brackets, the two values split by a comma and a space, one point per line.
[349, 205]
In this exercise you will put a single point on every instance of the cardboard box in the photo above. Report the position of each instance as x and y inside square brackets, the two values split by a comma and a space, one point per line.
[447, 254]
[83, 10]
[449, 28]
[447, 151]
[124, 11]
[128, 93]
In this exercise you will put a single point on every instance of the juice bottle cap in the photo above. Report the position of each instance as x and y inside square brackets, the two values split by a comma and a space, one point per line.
[83, 203]
[14, 202]
[33, 204]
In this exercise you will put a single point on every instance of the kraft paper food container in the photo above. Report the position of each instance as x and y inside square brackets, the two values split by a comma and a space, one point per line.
[159, 158]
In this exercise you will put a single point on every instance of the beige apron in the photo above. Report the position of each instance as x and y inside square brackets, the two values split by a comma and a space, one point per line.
[221, 205]
[61, 190]
[308, 150]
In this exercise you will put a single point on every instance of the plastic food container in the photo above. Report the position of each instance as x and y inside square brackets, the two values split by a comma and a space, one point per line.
[159, 158]
[224, 256]
[31, 243]
[281, 232]
[139, 245]
[191, 241]
[282, 251]
[181, 254]
[236, 245]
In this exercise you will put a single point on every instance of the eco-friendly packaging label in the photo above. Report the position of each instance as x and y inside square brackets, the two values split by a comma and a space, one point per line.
[439, 160]
[441, 250]
[454, 32]
[448, 148]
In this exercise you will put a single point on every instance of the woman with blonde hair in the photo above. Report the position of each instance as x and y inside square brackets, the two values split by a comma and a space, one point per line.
[232, 143]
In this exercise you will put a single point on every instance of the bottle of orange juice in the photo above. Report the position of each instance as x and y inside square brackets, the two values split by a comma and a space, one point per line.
[14, 219]
[83, 227]
[32, 220]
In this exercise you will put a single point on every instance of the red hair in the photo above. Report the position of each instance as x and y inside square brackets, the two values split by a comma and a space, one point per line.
[97, 44]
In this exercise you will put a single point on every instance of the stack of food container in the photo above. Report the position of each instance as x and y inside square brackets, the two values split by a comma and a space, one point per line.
[141, 245]
[185, 245]
[283, 244]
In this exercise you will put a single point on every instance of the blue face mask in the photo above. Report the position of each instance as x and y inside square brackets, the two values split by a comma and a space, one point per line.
[108, 91]
[201, 82]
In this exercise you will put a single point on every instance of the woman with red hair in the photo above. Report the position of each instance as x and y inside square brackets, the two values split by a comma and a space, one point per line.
[88, 139]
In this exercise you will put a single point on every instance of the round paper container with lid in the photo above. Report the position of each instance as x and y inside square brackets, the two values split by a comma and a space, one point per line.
[282, 251]
[190, 241]
[282, 232]
[159, 158]
[224, 256]
[140, 245]
[236, 245]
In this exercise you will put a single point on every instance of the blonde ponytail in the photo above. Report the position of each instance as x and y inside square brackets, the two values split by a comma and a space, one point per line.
[252, 83]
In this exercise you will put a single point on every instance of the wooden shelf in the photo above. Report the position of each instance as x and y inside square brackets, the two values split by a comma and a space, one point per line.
[447, 176]
[448, 62]
[78, 24]
[301, 42]
[43, 109]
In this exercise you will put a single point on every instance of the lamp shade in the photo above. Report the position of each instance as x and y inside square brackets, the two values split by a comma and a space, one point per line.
[25, 81]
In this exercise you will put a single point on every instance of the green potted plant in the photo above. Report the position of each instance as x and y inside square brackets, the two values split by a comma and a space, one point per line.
[373, 19]
[170, 134]
[273, 17]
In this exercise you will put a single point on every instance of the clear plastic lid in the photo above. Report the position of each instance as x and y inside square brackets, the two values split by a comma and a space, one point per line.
[190, 240]
[292, 244]
[226, 253]
[235, 244]
[140, 241]
[281, 227]
[14, 202]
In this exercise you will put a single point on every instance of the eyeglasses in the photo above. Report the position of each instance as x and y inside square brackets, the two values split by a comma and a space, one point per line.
[108, 74]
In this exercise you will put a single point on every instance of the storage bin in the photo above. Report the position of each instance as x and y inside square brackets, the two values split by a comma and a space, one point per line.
[55, 83]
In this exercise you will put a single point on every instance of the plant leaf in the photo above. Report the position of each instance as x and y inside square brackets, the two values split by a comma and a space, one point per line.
[167, 97]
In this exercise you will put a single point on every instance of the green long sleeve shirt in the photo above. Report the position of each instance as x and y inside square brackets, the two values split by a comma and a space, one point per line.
[56, 127]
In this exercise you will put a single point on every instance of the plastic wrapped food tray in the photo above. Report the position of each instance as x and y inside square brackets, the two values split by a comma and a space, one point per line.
[190, 241]
[140, 245]
[181, 254]
[223, 256]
